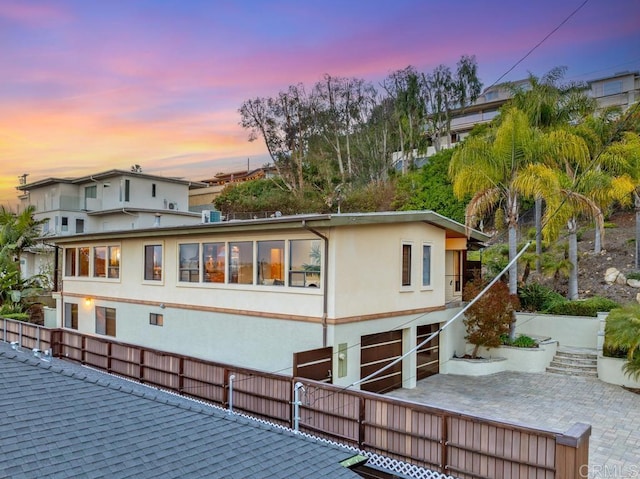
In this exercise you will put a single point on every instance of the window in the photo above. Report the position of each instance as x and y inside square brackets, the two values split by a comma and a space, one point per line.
[83, 261]
[213, 260]
[271, 262]
[491, 95]
[406, 265]
[189, 263]
[241, 262]
[153, 262]
[91, 191]
[45, 226]
[70, 261]
[156, 319]
[65, 224]
[127, 189]
[79, 225]
[105, 321]
[153, 190]
[99, 261]
[71, 315]
[612, 87]
[114, 261]
[457, 271]
[305, 263]
[426, 265]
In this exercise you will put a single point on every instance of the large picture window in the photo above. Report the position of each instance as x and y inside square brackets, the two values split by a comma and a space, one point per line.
[153, 262]
[241, 262]
[70, 261]
[271, 262]
[105, 321]
[426, 265]
[213, 260]
[189, 263]
[71, 315]
[305, 263]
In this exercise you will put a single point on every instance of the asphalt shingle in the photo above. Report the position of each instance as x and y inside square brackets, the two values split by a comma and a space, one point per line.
[61, 420]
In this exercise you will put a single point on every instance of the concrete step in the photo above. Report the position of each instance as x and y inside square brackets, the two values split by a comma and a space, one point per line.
[576, 355]
[577, 362]
[591, 373]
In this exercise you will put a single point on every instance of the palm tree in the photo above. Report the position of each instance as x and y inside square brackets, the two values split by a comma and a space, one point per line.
[487, 167]
[549, 104]
[572, 187]
[17, 233]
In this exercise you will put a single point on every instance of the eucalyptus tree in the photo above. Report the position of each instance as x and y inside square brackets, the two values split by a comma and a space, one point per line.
[487, 167]
[445, 92]
[404, 88]
[284, 124]
[339, 105]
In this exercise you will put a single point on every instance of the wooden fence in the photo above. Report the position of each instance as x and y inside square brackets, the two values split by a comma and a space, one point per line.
[456, 444]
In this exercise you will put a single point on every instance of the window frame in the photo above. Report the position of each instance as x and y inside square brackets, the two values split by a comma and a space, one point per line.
[191, 274]
[109, 318]
[71, 316]
[156, 319]
[270, 271]
[155, 267]
[406, 259]
[428, 284]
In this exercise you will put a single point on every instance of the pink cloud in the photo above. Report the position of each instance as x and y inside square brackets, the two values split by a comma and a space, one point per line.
[32, 14]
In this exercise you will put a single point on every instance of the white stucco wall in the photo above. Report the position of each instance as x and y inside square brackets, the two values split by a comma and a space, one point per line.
[575, 331]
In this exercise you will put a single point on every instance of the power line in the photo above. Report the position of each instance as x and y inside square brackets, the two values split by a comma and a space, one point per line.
[535, 47]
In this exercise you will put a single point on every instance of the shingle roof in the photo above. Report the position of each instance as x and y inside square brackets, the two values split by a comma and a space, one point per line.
[60, 420]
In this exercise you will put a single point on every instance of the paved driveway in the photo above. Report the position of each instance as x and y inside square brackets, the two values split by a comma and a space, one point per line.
[549, 401]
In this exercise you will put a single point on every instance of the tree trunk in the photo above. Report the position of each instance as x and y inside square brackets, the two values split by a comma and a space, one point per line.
[572, 225]
[637, 205]
[538, 234]
[597, 240]
[513, 273]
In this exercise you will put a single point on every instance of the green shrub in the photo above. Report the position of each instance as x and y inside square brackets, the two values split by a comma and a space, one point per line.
[583, 307]
[522, 341]
[536, 297]
[614, 352]
[634, 275]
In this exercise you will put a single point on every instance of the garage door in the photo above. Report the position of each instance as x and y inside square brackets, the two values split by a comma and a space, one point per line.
[428, 356]
[378, 350]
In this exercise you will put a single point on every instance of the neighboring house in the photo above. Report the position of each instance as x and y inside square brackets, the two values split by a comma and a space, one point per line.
[252, 293]
[61, 420]
[203, 197]
[110, 200]
[619, 90]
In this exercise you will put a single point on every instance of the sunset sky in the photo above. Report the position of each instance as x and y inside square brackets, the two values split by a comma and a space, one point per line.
[87, 86]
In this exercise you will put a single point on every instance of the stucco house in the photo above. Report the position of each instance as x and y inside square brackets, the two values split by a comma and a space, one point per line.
[252, 293]
[104, 201]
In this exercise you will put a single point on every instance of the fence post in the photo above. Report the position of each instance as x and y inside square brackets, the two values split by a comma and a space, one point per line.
[444, 443]
[572, 452]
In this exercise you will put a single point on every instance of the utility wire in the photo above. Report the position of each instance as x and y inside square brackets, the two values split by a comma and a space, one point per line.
[535, 47]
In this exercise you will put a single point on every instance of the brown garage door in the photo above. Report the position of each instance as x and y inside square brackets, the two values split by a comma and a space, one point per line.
[376, 351]
[428, 356]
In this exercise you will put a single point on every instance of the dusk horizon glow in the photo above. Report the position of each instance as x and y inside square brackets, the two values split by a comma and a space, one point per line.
[93, 86]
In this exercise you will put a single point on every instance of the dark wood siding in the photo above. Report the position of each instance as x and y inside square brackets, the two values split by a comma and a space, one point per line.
[428, 356]
[377, 351]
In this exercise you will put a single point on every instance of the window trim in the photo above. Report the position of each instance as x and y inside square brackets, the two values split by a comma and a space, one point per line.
[406, 277]
[429, 285]
[145, 280]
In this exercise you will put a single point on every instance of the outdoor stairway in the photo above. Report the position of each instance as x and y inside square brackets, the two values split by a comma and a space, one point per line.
[575, 362]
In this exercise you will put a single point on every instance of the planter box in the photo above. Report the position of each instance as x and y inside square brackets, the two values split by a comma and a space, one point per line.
[504, 358]
[610, 371]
